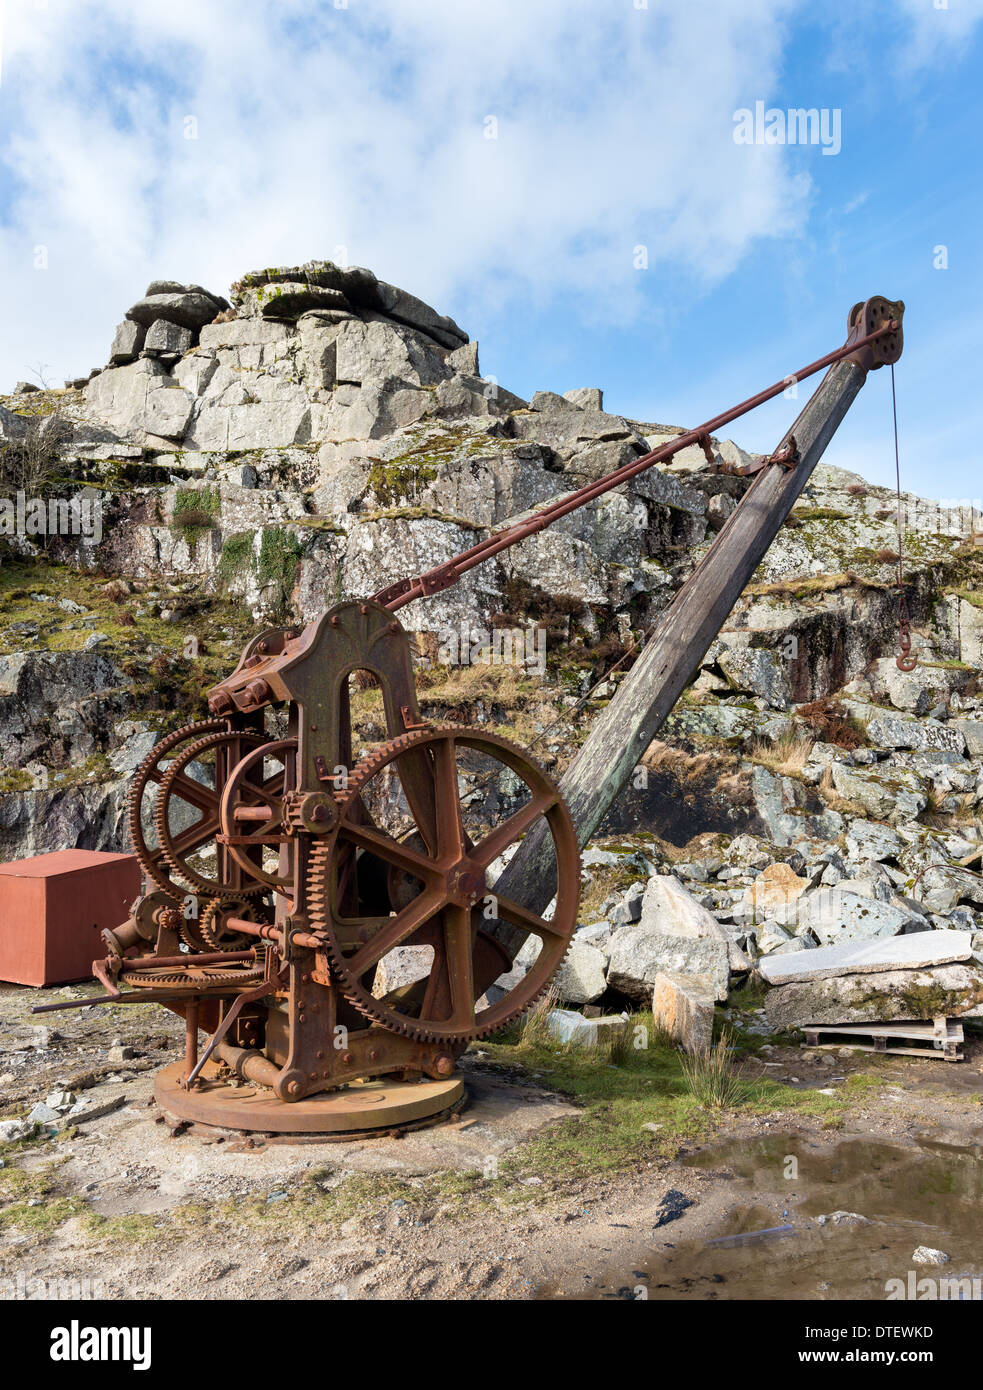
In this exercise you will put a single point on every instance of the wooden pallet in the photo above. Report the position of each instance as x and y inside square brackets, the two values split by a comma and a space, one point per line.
[945, 1036]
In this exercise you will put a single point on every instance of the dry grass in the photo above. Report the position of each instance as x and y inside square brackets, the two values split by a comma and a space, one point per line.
[788, 755]
[832, 724]
[811, 586]
[534, 1029]
[692, 769]
[451, 686]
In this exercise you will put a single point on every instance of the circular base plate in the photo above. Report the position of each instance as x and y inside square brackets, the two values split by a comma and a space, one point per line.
[362, 1106]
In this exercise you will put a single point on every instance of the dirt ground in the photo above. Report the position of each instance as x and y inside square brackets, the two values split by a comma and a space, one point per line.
[117, 1202]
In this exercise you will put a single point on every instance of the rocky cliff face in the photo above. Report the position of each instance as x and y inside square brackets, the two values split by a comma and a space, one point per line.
[321, 434]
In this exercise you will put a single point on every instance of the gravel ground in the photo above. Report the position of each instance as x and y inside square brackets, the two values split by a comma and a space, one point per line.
[117, 1199]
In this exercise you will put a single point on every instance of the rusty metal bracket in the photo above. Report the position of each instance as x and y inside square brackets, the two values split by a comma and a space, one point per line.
[788, 457]
[410, 722]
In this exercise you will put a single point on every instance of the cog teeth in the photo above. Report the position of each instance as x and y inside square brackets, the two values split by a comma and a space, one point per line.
[150, 862]
[198, 883]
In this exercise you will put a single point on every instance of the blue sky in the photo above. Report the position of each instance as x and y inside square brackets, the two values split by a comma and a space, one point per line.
[359, 131]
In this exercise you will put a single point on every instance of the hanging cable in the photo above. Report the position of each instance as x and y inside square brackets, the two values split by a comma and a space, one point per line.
[904, 661]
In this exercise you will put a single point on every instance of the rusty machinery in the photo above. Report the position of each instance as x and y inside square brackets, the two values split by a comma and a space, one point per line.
[282, 874]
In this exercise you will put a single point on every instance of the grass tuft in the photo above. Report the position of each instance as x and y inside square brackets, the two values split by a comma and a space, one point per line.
[711, 1075]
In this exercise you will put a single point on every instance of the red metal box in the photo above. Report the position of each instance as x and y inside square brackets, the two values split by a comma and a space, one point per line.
[52, 909]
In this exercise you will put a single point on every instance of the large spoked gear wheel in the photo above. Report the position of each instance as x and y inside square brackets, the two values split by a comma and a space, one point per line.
[216, 753]
[254, 811]
[439, 890]
[148, 775]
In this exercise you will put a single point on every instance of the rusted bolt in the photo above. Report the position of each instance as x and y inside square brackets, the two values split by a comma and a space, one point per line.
[373, 1055]
[444, 1065]
[257, 692]
[347, 1058]
[294, 1088]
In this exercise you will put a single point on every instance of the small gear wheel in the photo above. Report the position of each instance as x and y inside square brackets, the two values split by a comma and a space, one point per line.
[443, 895]
[190, 933]
[220, 937]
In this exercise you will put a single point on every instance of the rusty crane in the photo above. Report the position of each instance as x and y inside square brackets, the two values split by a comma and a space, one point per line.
[275, 893]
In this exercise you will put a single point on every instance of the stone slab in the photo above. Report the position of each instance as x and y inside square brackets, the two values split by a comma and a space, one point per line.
[910, 952]
[878, 997]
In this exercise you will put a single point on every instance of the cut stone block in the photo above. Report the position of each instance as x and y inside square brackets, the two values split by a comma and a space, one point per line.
[972, 732]
[946, 990]
[567, 1026]
[908, 952]
[127, 343]
[837, 914]
[163, 336]
[890, 731]
[580, 979]
[401, 967]
[773, 892]
[682, 1005]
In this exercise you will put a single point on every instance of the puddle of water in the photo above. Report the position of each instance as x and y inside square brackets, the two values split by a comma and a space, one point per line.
[769, 1245]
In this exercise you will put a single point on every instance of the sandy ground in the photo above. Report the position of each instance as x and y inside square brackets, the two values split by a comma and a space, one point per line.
[185, 1216]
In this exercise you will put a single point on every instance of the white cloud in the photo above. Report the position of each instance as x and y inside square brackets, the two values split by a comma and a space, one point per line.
[937, 28]
[364, 128]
